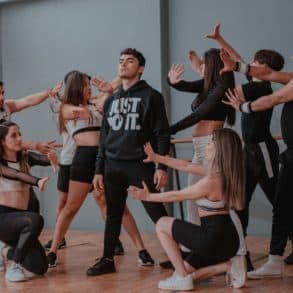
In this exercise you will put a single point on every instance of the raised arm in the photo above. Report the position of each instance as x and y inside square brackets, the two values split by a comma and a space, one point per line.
[262, 73]
[199, 190]
[216, 36]
[175, 80]
[195, 62]
[177, 164]
[280, 96]
[32, 100]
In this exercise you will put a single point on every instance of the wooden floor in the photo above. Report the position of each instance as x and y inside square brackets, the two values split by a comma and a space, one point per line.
[83, 247]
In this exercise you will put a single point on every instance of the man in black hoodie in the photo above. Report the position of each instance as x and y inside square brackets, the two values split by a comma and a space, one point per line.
[134, 115]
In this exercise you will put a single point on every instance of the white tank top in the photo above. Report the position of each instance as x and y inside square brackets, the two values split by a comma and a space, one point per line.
[68, 149]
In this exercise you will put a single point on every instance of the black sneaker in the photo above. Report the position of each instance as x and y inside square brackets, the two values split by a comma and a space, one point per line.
[249, 264]
[119, 250]
[102, 266]
[48, 245]
[289, 259]
[166, 265]
[144, 258]
[52, 259]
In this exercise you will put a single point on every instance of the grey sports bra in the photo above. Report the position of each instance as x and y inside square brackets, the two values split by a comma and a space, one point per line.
[210, 206]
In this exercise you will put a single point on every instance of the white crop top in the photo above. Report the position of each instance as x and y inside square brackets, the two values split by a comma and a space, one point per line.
[93, 123]
[68, 149]
[9, 185]
[209, 205]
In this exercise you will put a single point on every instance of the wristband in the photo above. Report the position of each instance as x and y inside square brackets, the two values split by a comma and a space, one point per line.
[242, 67]
[245, 107]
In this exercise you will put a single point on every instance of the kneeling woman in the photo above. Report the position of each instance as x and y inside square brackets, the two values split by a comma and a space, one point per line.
[221, 189]
[19, 229]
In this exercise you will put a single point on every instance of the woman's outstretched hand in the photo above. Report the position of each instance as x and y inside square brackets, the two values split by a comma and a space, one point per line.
[175, 73]
[150, 153]
[42, 182]
[139, 193]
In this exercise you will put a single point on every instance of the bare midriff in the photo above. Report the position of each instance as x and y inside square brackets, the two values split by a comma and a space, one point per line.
[206, 127]
[88, 138]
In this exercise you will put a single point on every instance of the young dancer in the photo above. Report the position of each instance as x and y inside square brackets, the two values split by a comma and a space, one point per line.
[134, 115]
[261, 150]
[282, 213]
[216, 240]
[208, 113]
[20, 228]
[66, 158]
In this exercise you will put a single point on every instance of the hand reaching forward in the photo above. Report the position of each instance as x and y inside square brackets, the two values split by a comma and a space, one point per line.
[42, 182]
[234, 98]
[139, 193]
[149, 152]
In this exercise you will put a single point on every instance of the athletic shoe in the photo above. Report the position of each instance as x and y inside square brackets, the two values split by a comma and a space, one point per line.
[14, 273]
[289, 259]
[52, 259]
[119, 250]
[176, 282]
[272, 268]
[145, 259]
[236, 276]
[166, 265]
[102, 266]
[48, 245]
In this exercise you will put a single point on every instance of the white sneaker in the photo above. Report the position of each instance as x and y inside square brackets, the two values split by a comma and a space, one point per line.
[236, 276]
[14, 273]
[273, 268]
[2, 259]
[176, 282]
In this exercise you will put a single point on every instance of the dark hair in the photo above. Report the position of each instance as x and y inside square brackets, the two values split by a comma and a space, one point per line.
[213, 66]
[73, 94]
[138, 55]
[228, 162]
[271, 58]
[21, 155]
[66, 76]
[1, 83]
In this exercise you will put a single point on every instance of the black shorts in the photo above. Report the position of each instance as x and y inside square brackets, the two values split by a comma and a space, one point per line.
[215, 241]
[83, 164]
[63, 178]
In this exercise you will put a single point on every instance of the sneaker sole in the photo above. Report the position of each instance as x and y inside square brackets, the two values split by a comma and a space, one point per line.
[186, 288]
[258, 277]
[148, 264]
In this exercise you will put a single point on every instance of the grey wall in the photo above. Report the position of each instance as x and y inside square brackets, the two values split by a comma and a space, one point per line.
[249, 25]
[41, 40]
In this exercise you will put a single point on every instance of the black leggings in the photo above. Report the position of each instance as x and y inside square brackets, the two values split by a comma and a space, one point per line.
[282, 212]
[21, 230]
[118, 176]
[216, 240]
[257, 173]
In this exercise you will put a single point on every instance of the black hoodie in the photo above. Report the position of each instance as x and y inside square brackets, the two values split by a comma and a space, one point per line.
[132, 118]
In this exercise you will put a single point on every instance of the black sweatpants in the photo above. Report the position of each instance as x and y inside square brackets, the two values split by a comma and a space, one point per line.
[261, 167]
[20, 230]
[282, 212]
[118, 176]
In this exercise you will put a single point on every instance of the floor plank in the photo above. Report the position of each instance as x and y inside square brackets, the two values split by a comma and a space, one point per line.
[83, 247]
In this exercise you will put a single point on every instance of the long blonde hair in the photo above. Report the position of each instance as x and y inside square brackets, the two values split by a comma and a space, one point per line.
[228, 163]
